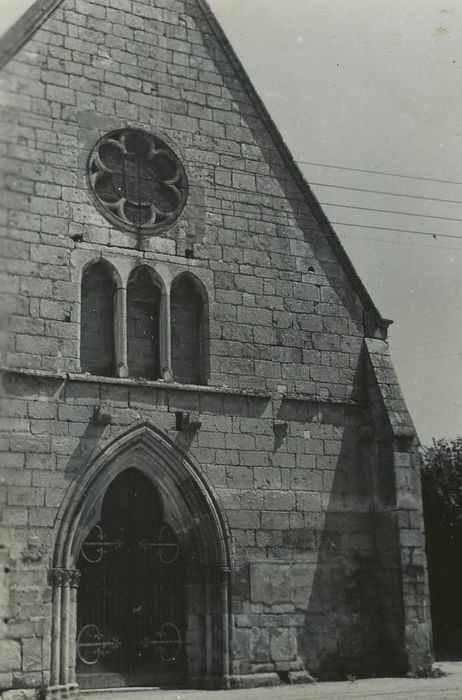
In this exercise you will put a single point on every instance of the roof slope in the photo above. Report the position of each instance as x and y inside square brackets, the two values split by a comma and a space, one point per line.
[32, 20]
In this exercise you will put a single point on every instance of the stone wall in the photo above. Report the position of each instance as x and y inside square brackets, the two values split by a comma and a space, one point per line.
[293, 434]
[282, 310]
[306, 569]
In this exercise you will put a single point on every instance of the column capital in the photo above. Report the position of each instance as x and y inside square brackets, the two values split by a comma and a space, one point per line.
[73, 577]
[65, 577]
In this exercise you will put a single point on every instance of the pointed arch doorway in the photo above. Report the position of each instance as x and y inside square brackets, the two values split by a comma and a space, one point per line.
[131, 594]
[141, 573]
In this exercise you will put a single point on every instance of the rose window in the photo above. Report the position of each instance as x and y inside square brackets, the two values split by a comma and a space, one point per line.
[137, 179]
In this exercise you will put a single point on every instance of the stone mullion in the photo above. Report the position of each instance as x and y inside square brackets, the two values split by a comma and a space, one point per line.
[165, 336]
[121, 332]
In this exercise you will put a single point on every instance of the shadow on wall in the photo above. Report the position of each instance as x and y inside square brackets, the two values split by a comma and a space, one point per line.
[344, 631]
[88, 442]
[354, 617]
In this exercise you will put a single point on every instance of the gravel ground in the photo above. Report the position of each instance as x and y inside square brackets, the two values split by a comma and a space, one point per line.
[448, 687]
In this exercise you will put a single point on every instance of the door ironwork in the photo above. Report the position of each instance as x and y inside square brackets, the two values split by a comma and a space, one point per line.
[130, 604]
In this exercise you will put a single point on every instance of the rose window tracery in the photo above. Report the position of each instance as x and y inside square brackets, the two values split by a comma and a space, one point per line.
[137, 179]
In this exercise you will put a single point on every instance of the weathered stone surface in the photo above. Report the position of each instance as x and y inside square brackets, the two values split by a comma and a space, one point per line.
[277, 582]
[19, 694]
[267, 362]
[256, 680]
[10, 655]
[32, 654]
[280, 645]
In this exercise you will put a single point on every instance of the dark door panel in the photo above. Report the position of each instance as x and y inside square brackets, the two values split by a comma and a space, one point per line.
[130, 605]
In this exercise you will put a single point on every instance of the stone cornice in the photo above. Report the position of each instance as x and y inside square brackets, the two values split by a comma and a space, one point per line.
[190, 388]
[127, 381]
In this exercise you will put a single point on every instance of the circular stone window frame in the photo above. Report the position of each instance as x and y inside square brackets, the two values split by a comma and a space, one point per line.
[162, 148]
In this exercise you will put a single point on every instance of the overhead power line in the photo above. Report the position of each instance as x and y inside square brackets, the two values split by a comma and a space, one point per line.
[430, 357]
[378, 172]
[398, 230]
[390, 211]
[390, 194]
[368, 239]
[225, 188]
[430, 342]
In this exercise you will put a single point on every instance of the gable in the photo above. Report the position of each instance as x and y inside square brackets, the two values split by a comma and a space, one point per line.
[286, 308]
[41, 10]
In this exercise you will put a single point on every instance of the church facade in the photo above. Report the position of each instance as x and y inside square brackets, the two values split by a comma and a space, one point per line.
[209, 474]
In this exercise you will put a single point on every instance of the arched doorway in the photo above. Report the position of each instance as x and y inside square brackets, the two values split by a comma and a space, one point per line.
[131, 597]
[141, 572]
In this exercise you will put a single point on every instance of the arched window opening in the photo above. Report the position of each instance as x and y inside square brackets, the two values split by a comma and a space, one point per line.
[143, 303]
[97, 354]
[187, 332]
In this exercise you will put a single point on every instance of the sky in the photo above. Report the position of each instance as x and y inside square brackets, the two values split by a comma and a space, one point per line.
[367, 95]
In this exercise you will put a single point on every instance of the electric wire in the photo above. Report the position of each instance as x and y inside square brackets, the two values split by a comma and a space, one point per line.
[434, 235]
[391, 211]
[377, 172]
[282, 196]
[398, 230]
[389, 194]
[430, 357]
[235, 203]
[430, 342]
[343, 206]
[369, 239]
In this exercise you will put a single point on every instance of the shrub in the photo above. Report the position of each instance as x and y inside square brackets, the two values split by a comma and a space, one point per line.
[442, 502]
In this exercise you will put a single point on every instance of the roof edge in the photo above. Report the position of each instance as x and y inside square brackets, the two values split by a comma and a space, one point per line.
[17, 35]
[376, 324]
[389, 389]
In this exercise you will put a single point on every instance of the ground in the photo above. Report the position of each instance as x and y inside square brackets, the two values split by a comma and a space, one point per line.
[448, 687]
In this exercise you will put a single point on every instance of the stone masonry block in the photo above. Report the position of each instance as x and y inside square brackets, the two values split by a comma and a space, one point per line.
[280, 644]
[10, 655]
[309, 502]
[279, 500]
[239, 477]
[275, 520]
[241, 643]
[267, 478]
[244, 519]
[32, 654]
[26, 496]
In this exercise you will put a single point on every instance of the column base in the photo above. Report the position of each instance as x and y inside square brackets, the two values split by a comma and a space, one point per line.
[61, 692]
[255, 680]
